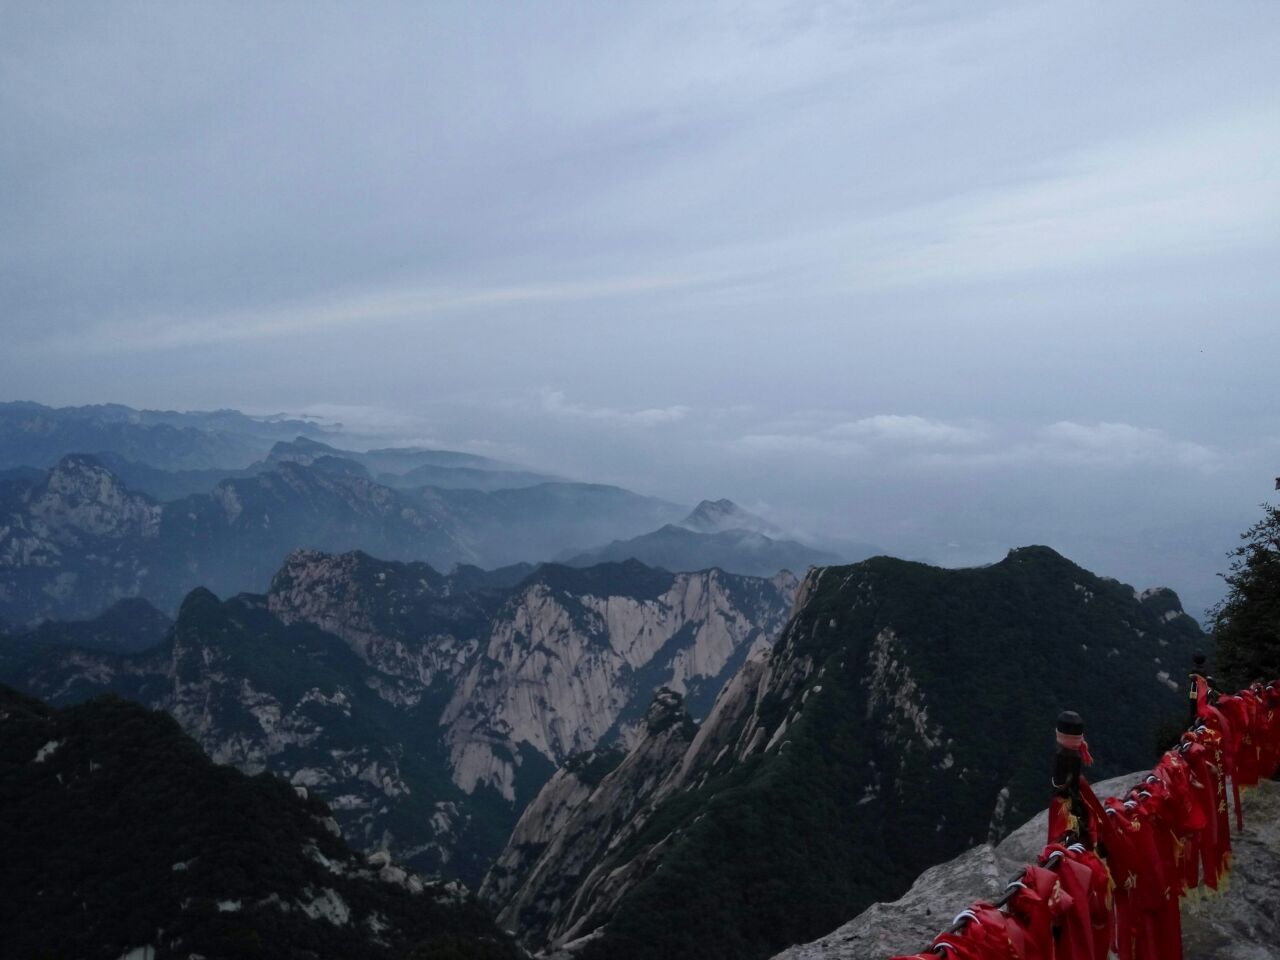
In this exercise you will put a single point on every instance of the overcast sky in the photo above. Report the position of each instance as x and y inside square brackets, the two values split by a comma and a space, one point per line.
[947, 277]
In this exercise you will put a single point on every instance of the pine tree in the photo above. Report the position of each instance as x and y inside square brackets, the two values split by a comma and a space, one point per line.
[1246, 624]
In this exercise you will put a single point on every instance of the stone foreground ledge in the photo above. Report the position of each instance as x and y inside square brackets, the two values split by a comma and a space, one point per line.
[1240, 923]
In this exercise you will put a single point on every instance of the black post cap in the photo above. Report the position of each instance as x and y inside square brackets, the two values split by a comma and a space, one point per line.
[1070, 723]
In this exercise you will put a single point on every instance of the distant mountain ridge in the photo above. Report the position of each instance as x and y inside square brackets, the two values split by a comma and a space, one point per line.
[170, 454]
[409, 467]
[35, 435]
[76, 539]
[676, 548]
[718, 534]
[127, 626]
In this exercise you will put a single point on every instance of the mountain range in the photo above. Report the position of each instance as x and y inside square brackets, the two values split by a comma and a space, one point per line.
[901, 717]
[75, 539]
[427, 709]
[665, 743]
[34, 435]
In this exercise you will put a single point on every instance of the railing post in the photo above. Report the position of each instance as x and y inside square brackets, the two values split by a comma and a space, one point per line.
[1066, 772]
[1197, 670]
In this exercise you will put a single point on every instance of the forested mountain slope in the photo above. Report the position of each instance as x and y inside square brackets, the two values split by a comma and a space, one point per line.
[119, 834]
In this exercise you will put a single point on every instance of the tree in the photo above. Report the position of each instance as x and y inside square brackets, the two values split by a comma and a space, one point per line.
[1246, 624]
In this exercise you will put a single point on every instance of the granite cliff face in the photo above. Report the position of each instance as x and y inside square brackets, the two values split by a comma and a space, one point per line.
[835, 767]
[426, 709]
[570, 660]
[552, 865]
[1238, 924]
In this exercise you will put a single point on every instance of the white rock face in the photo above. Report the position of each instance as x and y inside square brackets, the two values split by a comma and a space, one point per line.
[556, 671]
[327, 905]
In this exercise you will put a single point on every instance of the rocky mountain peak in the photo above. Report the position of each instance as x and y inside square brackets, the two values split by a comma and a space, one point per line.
[198, 608]
[79, 494]
[717, 516]
[1163, 602]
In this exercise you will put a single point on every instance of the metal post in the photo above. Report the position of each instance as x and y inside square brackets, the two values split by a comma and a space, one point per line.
[1066, 770]
[1197, 669]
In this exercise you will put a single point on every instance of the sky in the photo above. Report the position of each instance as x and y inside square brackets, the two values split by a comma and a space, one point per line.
[947, 278]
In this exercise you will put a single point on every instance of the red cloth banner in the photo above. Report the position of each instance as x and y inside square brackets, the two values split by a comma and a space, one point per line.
[1116, 882]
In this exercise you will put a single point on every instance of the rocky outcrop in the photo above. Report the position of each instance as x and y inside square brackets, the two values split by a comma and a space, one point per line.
[417, 627]
[1240, 923]
[80, 497]
[72, 542]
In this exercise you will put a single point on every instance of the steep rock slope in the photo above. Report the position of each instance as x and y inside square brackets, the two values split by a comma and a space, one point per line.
[1239, 924]
[572, 658]
[558, 858]
[120, 835]
[901, 717]
[372, 683]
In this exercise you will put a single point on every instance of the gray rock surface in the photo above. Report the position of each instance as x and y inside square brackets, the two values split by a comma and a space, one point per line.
[1241, 923]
